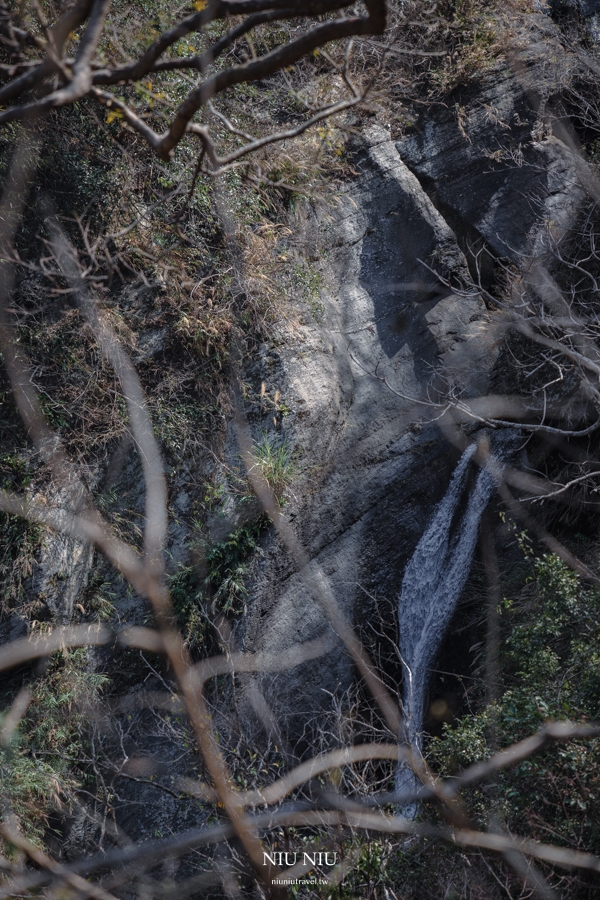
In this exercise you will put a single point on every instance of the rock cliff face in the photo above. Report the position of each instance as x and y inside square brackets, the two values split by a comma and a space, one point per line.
[386, 318]
[480, 179]
[476, 180]
[491, 164]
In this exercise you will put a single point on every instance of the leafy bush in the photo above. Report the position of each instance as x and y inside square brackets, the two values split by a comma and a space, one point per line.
[44, 763]
[551, 664]
[225, 583]
[227, 566]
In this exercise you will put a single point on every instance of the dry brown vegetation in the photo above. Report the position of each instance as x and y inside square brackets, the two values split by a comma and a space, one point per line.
[127, 319]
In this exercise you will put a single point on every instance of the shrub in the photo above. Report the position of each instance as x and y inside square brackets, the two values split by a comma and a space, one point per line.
[551, 662]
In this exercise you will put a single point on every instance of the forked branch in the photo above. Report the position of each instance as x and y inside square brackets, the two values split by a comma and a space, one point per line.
[85, 72]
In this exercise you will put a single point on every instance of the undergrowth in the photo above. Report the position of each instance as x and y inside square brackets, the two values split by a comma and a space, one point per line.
[202, 594]
[20, 538]
[550, 671]
[44, 765]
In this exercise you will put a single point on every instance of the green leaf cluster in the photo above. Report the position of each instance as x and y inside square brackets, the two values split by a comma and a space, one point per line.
[44, 763]
[551, 671]
[197, 600]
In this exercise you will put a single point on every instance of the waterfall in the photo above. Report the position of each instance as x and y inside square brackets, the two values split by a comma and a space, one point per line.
[433, 582]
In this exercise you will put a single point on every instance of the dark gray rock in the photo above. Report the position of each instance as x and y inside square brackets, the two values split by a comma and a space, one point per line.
[583, 7]
[12, 627]
[489, 161]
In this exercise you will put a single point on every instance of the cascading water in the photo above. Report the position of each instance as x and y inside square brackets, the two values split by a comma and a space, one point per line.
[432, 584]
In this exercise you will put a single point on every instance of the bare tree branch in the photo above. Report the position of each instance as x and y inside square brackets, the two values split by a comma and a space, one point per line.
[84, 76]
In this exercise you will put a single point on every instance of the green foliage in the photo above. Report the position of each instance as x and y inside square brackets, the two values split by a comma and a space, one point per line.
[369, 873]
[254, 769]
[98, 598]
[38, 769]
[273, 458]
[227, 564]
[197, 600]
[19, 543]
[189, 604]
[551, 661]
[592, 148]
[176, 421]
[214, 494]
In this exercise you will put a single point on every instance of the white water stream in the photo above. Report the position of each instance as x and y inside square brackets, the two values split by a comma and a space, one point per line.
[433, 582]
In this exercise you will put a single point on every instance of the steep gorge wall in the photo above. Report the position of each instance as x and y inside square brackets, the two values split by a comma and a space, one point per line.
[481, 178]
[370, 442]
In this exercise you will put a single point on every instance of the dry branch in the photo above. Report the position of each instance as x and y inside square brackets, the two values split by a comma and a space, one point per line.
[82, 75]
[87, 74]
